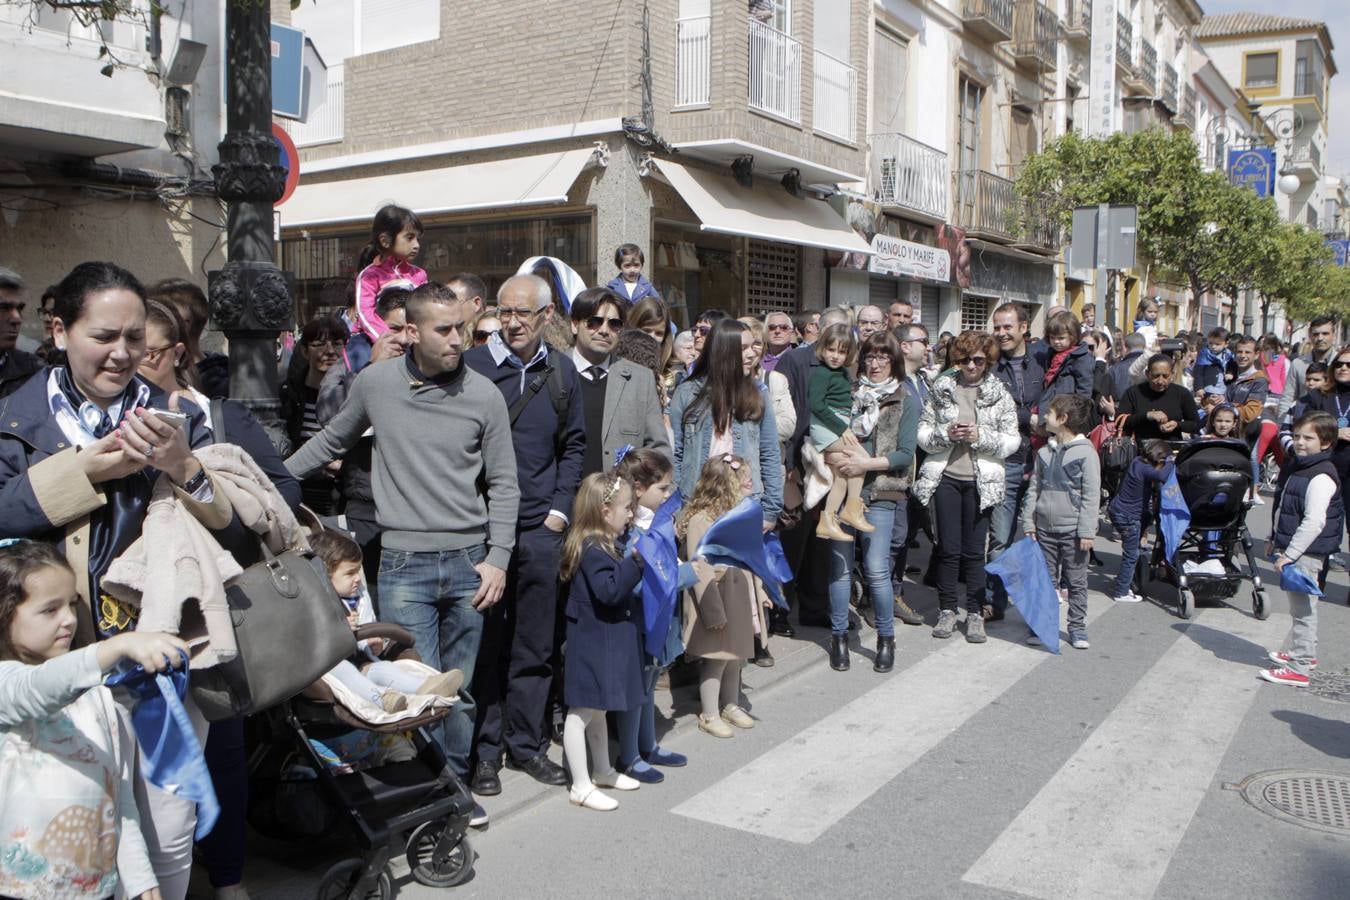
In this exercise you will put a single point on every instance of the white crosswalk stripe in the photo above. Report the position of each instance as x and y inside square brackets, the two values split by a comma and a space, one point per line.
[1107, 824]
[797, 790]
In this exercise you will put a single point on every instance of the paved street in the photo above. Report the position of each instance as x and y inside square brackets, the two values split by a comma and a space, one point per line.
[971, 771]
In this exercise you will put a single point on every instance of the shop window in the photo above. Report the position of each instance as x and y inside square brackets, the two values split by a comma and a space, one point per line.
[696, 270]
[771, 278]
[325, 268]
[974, 313]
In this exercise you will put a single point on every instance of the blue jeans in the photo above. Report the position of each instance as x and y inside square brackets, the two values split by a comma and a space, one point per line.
[876, 555]
[429, 594]
[1003, 525]
[1129, 554]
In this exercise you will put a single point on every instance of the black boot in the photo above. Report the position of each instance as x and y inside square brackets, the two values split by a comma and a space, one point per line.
[839, 652]
[885, 654]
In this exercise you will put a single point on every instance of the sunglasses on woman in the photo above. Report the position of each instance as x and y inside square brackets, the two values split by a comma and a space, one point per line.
[482, 336]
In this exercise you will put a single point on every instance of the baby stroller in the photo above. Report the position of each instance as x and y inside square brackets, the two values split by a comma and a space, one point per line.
[298, 794]
[1215, 477]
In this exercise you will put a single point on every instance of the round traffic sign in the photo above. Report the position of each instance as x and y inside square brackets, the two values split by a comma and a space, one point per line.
[289, 158]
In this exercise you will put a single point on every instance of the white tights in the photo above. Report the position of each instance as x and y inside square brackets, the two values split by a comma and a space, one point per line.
[719, 685]
[586, 727]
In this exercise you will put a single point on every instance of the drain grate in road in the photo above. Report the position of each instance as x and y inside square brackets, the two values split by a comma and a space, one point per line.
[1317, 800]
[1330, 686]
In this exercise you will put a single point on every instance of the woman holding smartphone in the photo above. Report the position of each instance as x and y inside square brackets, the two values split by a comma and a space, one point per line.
[81, 449]
[968, 427]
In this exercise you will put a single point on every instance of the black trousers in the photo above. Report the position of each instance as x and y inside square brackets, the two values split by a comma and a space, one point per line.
[962, 531]
[513, 675]
[809, 558]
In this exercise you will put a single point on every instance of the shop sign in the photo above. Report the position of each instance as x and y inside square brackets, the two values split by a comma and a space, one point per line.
[893, 256]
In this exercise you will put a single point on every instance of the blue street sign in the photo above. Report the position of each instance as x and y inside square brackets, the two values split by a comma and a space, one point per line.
[1253, 168]
[1340, 251]
[288, 81]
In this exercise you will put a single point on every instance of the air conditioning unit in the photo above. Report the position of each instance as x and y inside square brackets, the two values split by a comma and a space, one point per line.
[177, 114]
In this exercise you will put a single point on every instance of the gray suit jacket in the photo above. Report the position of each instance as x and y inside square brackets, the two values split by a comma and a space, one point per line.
[632, 411]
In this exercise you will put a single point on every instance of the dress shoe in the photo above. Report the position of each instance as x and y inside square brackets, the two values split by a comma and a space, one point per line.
[541, 769]
[715, 726]
[617, 780]
[885, 660]
[762, 658]
[443, 684]
[829, 529]
[486, 782]
[590, 797]
[839, 652]
[644, 773]
[734, 715]
[905, 613]
[779, 624]
[668, 758]
[854, 514]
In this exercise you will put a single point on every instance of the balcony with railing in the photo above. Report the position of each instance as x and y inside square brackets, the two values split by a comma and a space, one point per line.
[1186, 114]
[325, 125]
[908, 174]
[1124, 45]
[835, 99]
[775, 72]
[1308, 83]
[693, 62]
[1304, 157]
[988, 206]
[990, 19]
[1078, 19]
[1035, 35]
[1168, 95]
[1144, 75]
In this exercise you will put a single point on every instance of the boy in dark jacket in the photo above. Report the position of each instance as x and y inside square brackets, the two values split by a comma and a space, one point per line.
[630, 283]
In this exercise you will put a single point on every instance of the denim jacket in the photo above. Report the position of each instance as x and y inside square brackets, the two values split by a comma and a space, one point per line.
[754, 441]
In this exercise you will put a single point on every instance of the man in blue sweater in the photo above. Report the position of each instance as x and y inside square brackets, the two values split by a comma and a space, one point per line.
[544, 401]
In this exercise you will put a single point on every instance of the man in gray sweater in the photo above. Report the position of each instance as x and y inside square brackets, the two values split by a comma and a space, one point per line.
[439, 427]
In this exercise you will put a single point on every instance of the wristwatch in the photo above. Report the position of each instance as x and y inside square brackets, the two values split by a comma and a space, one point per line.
[194, 484]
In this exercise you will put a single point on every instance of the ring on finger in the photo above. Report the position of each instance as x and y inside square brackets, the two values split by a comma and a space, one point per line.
[149, 452]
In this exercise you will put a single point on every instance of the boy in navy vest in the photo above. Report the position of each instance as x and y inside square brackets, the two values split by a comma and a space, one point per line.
[1309, 521]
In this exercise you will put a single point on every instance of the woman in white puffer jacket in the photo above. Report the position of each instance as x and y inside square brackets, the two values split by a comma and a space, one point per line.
[968, 427]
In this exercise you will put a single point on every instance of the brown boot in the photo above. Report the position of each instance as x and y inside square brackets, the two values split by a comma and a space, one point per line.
[855, 515]
[829, 528]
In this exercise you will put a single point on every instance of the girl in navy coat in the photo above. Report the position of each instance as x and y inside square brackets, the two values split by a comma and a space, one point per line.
[1068, 363]
[604, 634]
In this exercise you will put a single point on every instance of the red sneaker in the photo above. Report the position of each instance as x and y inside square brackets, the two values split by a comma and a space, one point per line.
[1283, 676]
[1284, 659]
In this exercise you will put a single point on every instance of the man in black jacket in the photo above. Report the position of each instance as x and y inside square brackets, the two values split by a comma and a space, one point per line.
[16, 366]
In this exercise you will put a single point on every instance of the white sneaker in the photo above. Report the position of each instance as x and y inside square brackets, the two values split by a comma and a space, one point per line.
[1131, 597]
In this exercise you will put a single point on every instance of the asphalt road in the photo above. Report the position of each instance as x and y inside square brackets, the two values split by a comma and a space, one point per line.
[971, 771]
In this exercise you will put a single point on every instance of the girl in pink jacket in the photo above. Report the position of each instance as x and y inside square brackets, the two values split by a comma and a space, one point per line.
[395, 238]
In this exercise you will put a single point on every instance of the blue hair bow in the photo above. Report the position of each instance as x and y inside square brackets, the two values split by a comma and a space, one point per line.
[622, 452]
[9, 542]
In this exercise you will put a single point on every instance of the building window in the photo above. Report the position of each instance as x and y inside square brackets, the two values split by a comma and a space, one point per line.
[890, 67]
[771, 278]
[1261, 70]
[974, 313]
[344, 28]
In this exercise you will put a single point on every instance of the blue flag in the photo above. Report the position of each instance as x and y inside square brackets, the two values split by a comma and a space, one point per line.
[171, 756]
[737, 539]
[1173, 515]
[660, 574]
[1026, 578]
[1296, 581]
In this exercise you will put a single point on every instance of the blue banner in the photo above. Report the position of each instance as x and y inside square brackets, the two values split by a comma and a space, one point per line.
[1173, 515]
[737, 539]
[660, 574]
[1253, 168]
[1340, 251]
[1026, 578]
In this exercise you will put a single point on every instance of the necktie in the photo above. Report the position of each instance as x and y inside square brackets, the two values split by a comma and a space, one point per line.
[596, 374]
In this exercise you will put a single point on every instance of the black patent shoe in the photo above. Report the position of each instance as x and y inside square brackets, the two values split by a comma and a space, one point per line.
[839, 652]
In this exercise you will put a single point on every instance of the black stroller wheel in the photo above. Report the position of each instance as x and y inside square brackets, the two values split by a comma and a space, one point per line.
[340, 880]
[1259, 607]
[451, 870]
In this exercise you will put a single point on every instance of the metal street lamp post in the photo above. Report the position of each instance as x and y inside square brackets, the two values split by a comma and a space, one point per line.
[250, 297]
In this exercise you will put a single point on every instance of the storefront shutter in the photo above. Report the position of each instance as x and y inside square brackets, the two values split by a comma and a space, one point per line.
[771, 278]
[930, 297]
[882, 292]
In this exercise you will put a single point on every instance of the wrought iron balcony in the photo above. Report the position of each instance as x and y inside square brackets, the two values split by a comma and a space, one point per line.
[1078, 18]
[775, 72]
[1308, 84]
[909, 174]
[990, 19]
[1168, 95]
[988, 206]
[1035, 35]
[1124, 44]
[1145, 74]
[1186, 114]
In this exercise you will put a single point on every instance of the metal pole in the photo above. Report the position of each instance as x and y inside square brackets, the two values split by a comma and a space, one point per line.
[1105, 306]
[1248, 317]
[251, 299]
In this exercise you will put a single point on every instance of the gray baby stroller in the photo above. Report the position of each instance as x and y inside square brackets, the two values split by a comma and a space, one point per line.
[1215, 477]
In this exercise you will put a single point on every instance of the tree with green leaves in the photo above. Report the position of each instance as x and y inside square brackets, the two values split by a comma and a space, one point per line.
[1212, 234]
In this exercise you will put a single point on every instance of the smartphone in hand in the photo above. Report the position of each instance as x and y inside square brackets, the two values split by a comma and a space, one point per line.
[170, 417]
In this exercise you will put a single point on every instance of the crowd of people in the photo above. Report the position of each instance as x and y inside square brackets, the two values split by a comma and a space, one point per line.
[485, 466]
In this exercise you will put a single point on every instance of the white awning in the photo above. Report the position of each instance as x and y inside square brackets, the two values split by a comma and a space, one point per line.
[528, 181]
[769, 213]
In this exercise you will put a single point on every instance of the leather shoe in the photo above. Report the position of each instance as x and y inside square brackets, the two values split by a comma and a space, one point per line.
[839, 652]
[779, 624]
[905, 613]
[885, 660]
[485, 781]
[541, 769]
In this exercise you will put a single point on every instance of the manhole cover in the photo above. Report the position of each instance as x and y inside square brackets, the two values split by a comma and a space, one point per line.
[1330, 686]
[1317, 800]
